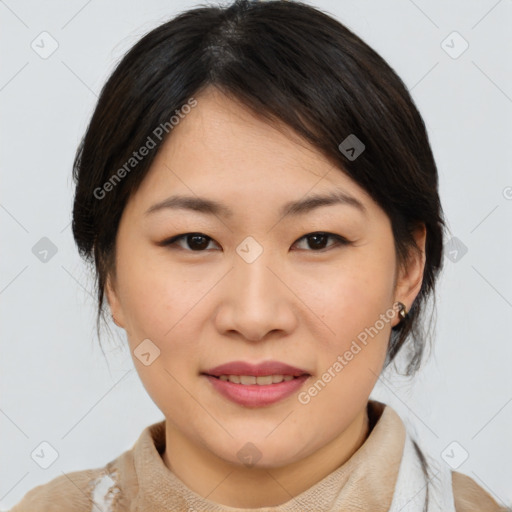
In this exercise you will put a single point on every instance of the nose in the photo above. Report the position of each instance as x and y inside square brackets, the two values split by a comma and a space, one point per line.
[256, 301]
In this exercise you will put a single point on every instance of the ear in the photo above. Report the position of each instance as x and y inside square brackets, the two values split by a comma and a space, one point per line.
[410, 278]
[113, 301]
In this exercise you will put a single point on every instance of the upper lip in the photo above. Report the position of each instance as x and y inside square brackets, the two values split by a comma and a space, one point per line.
[265, 368]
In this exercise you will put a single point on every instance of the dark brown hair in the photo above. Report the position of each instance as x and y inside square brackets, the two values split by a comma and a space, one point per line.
[289, 63]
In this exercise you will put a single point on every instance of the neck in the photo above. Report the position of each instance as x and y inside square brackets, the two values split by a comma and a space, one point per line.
[238, 486]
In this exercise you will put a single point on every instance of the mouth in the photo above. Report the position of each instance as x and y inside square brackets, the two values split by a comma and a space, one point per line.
[258, 385]
[260, 380]
[265, 369]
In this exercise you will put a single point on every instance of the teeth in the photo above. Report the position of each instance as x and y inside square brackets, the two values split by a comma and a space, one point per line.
[263, 380]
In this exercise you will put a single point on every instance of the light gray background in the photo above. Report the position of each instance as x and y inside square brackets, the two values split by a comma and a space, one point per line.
[57, 386]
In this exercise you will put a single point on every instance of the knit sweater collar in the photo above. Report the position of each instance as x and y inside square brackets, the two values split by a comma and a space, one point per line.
[366, 481]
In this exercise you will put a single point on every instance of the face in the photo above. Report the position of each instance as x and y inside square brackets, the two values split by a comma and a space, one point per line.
[311, 287]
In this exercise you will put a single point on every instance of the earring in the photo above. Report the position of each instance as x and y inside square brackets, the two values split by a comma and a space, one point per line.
[403, 310]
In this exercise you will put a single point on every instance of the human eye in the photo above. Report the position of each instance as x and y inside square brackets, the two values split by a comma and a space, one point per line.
[319, 238]
[197, 242]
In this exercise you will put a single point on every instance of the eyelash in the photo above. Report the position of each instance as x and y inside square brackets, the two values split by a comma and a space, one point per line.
[339, 241]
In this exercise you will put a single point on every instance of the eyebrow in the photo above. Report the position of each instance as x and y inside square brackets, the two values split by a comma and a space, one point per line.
[293, 208]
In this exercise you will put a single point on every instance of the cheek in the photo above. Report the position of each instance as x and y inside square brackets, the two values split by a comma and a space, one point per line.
[353, 294]
[356, 299]
[154, 295]
[158, 304]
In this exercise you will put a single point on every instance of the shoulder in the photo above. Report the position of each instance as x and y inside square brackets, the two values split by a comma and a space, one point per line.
[114, 486]
[71, 491]
[103, 488]
[470, 497]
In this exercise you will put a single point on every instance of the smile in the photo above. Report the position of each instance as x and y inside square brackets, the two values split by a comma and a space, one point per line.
[252, 391]
[264, 380]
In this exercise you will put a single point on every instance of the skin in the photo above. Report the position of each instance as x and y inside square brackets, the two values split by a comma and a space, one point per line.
[295, 303]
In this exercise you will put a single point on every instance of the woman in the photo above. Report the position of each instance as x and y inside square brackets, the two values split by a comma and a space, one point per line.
[259, 197]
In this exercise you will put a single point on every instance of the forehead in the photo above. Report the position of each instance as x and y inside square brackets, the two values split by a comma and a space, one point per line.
[221, 149]
[222, 128]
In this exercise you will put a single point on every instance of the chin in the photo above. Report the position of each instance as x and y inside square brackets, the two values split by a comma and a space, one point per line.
[253, 452]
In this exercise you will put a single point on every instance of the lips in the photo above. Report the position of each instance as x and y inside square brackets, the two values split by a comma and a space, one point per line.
[256, 370]
[256, 385]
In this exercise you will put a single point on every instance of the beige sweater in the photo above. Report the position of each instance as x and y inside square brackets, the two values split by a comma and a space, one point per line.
[139, 481]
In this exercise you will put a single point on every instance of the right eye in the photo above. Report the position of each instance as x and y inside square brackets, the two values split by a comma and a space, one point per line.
[197, 242]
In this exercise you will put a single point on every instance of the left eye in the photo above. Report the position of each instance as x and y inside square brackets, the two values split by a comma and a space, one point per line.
[198, 242]
[320, 238]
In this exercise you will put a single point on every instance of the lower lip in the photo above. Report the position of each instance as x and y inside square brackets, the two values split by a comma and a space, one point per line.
[254, 395]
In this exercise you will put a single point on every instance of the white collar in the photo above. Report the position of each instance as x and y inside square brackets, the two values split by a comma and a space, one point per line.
[411, 484]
